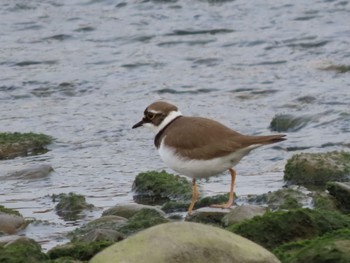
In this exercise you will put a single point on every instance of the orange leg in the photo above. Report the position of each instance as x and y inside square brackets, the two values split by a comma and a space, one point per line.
[231, 196]
[194, 195]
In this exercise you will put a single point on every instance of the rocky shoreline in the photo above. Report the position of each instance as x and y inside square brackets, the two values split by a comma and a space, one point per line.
[307, 221]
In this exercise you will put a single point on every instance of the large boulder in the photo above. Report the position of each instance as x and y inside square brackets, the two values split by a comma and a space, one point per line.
[316, 169]
[185, 242]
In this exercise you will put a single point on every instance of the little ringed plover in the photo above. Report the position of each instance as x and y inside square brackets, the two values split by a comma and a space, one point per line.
[199, 147]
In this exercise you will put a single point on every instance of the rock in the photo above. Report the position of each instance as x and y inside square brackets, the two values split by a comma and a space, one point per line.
[35, 172]
[78, 251]
[70, 205]
[128, 210]
[276, 228]
[101, 235]
[185, 242]
[289, 123]
[158, 187]
[285, 198]
[332, 247]
[110, 224]
[10, 224]
[21, 249]
[143, 219]
[208, 215]
[324, 201]
[9, 211]
[240, 213]
[337, 68]
[316, 169]
[21, 144]
[182, 206]
[341, 192]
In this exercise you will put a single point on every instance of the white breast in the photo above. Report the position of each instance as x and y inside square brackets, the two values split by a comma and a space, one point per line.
[201, 168]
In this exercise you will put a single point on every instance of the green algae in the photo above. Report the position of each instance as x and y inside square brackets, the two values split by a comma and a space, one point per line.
[276, 228]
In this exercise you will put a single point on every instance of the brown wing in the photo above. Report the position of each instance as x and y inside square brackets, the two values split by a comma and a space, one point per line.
[212, 139]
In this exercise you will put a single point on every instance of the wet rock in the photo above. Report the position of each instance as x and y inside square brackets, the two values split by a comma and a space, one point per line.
[35, 172]
[128, 210]
[21, 144]
[288, 123]
[332, 247]
[11, 221]
[9, 211]
[158, 187]
[100, 235]
[10, 224]
[203, 243]
[21, 249]
[70, 206]
[285, 198]
[316, 169]
[182, 206]
[338, 68]
[77, 251]
[109, 223]
[143, 219]
[324, 201]
[341, 192]
[241, 213]
[276, 228]
[208, 215]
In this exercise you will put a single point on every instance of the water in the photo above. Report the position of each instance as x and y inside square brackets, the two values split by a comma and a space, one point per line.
[84, 70]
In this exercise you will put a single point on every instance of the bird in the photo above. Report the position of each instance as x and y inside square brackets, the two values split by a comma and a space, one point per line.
[199, 147]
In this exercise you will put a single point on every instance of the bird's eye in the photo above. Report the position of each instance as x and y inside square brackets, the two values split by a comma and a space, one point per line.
[150, 115]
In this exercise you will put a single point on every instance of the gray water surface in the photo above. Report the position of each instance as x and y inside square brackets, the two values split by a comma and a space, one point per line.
[83, 71]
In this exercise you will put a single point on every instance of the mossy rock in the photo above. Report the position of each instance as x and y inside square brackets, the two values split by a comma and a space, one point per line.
[208, 215]
[316, 169]
[324, 201]
[285, 198]
[338, 68]
[22, 250]
[143, 219]
[9, 211]
[70, 205]
[158, 187]
[22, 144]
[185, 242]
[77, 250]
[110, 223]
[276, 228]
[331, 247]
[127, 210]
[341, 192]
[182, 206]
[288, 123]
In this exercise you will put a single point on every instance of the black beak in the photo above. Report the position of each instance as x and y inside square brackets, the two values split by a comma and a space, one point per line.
[139, 124]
